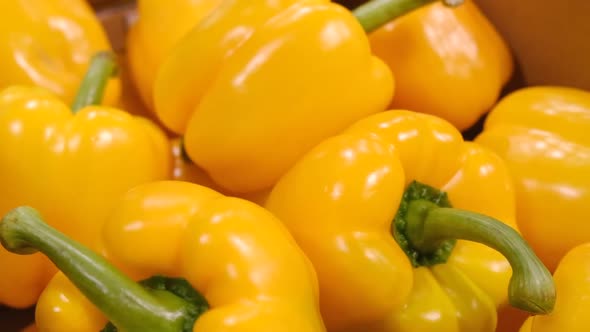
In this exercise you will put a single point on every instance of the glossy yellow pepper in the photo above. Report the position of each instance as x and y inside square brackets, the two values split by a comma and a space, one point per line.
[160, 25]
[449, 62]
[543, 135]
[71, 165]
[339, 202]
[258, 83]
[230, 265]
[49, 43]
[572, 278]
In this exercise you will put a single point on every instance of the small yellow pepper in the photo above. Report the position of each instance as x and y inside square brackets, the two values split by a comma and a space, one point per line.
[49, 43]
[239, 266]
[543, 135]
[350, 199]
[160, 25]
[449, 62]
[72, 165]
[572, 279]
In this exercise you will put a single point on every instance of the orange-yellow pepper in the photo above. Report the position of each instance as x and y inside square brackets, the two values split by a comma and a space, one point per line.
[339, 202]
[572, 279]
[449, 62]
[160, 25]
[543, 135]
[72, 166]
[49, 43]
[258, 83]
[237, 262]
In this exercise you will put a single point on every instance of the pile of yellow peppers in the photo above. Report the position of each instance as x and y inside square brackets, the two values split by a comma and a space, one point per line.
[286, 166]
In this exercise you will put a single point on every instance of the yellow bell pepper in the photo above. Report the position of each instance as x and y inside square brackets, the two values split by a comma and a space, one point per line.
[72, 165]
[220, 264]
[160, 25]
[542, 134]
[573, 303]
[49, 43]
[258, 83]
[449, 62]
[364, 207]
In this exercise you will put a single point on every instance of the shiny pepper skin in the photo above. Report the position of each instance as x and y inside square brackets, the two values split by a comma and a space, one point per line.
[72, 167]
[449, 62]
[340, 199]
[49, 43]
[160, 25]
[572, 278]
[258, 83]
[543, 135]
[236, 254]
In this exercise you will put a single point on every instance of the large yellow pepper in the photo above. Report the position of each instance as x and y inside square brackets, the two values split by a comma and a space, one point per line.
[71, 165]
[543, 135]
[449, 62]
[229, 264]
[160, 25]
[345, 198]
[572, 278]
[258, 83]
[49, 43]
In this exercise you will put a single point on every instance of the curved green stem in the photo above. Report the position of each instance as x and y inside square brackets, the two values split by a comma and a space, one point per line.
[376, 13]
[102, 67]
[531, 287]
[127, 304]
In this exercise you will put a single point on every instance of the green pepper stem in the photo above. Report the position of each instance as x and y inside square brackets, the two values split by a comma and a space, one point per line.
[103, 66]
[374, 14]
[531, 286]
[127, 304]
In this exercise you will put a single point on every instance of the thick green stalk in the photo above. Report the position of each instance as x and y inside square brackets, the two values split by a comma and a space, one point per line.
[129, 306]
[531, 287]
[376, 13]
[102, 67]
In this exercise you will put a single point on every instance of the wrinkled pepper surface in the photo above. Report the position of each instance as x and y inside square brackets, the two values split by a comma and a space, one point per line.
[72, 164]
[543, 135]
[449, 62]
[220, 264]
[572, 279]
[160, 25]
[49, 43]
[259, 83]
[364, 207]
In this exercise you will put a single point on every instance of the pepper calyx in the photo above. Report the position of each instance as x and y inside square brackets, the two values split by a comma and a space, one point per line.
[408, 218]
[196, 304]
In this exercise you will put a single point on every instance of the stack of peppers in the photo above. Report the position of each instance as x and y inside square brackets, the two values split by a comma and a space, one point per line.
[316, 178]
